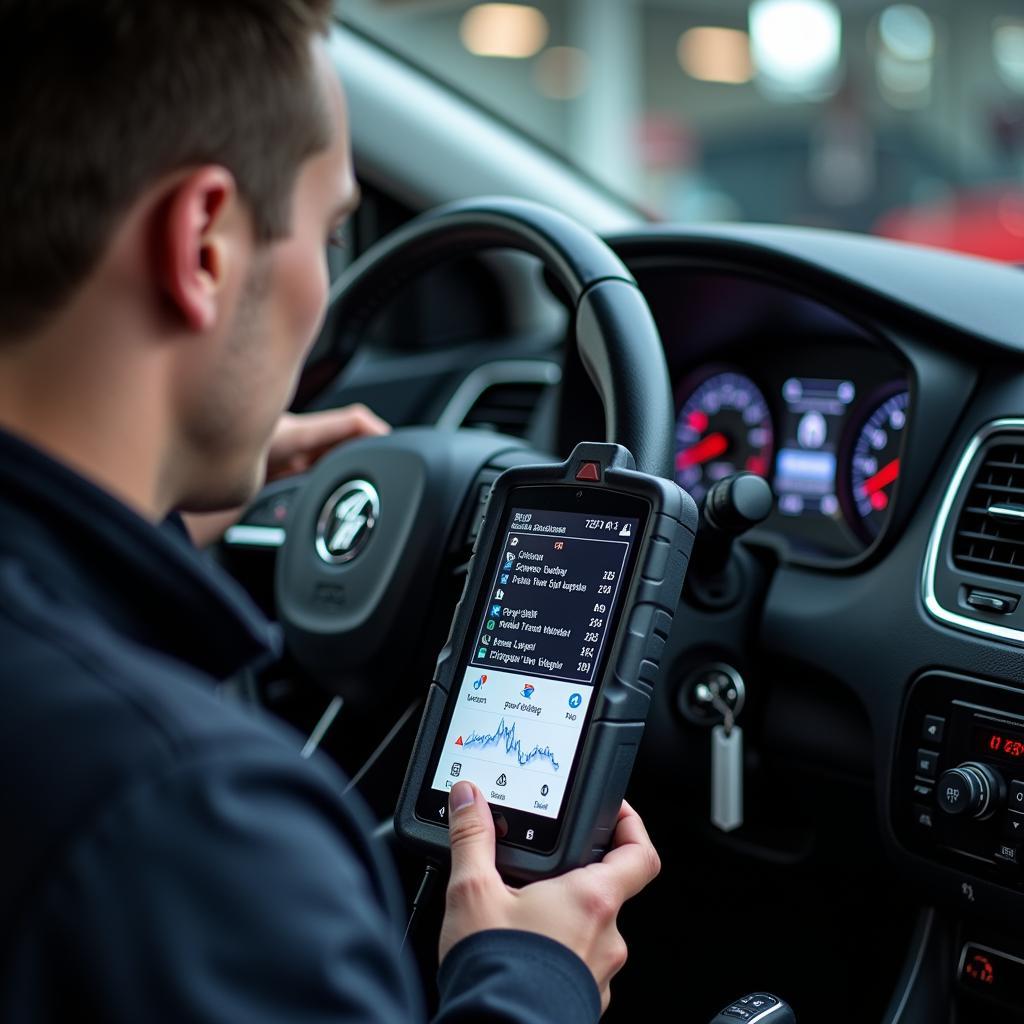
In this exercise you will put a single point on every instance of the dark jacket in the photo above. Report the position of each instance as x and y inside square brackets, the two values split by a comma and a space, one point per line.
[167, 855]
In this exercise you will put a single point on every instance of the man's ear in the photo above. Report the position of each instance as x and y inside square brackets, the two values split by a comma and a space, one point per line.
[197, 240]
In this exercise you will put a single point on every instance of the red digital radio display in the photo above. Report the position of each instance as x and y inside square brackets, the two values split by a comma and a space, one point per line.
[1001, 743]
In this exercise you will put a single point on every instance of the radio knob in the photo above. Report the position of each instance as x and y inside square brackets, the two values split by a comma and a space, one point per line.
[971, 789]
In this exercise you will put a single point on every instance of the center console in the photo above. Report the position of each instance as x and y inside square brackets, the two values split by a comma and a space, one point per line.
[958, 785]
[958, 803]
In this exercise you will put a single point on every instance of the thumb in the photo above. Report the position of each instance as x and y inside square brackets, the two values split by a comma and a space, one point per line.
[471, 833]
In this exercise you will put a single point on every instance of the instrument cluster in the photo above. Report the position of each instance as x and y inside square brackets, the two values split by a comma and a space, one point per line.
[829, 444]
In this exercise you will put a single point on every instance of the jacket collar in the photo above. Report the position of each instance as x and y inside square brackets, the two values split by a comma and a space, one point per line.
[149, 583]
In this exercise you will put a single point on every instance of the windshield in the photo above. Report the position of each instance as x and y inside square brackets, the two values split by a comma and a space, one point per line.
[901, 120]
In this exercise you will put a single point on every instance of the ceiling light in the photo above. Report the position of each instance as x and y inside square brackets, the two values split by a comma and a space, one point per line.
[716, 55]
[906, 32]
[504, 30]
[796, 45]
[1008, 50]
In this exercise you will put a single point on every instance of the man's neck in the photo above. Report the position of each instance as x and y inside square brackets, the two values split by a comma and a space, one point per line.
[93, 407]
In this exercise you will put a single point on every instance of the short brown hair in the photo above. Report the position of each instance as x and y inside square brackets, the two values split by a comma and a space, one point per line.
[102, 97]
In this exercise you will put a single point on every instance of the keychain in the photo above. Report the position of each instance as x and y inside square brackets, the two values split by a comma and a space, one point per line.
[726, 769]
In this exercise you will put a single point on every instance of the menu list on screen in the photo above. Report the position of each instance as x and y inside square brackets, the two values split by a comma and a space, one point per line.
[525, 691]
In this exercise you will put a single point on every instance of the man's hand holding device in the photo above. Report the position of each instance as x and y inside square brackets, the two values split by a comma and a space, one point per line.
[588, 899]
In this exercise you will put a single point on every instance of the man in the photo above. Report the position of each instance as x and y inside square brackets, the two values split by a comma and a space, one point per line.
[170, 171]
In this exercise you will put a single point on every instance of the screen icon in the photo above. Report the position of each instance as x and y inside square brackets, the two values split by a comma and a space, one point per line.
[495, 610]
[491, 623]
[529, 834]
[456, 769]
[575, 700]
[486, 639]
[559, 545]
[515, 542]
[501, 780]
[528, 690]
[545, 789]
[499, 595]
[482, 653]
[477, 683]
[504, 580]
[626, 531]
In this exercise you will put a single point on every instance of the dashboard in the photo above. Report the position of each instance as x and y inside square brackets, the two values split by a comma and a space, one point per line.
[878, 389]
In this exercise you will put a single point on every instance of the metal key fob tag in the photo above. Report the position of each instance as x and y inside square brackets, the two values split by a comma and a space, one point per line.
[727, 777]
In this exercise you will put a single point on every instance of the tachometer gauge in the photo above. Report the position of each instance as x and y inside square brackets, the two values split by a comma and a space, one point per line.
[724, 426]
[875, 463]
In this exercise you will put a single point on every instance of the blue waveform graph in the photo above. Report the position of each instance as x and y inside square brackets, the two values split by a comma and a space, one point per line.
[507, 735]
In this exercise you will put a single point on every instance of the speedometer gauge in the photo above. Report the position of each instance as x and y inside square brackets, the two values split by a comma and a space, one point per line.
[875, 463]
[724, 426]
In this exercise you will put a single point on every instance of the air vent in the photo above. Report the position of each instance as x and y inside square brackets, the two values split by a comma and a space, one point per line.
[505, 408]
[974, 569]
[989, 537]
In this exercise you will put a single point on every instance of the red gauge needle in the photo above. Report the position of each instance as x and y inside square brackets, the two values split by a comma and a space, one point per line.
[882, 478]
[704, 450]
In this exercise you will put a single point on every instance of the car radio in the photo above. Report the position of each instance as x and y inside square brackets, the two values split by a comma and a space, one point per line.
[959, 781]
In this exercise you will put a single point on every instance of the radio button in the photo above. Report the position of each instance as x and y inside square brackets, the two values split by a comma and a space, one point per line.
[924, 816]
[927, 763]
[1008, 853]
[959, 792]
[971, 789]
[934, 728]
[1014, 826]
[1016, 800]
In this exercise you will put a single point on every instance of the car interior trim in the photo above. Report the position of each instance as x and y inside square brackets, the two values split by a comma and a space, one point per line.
[985, 949]
[324, 722]
[967, 294]
[924, 937]
[1006, 511]
[931, 562]
[244, 536]
[476, 383]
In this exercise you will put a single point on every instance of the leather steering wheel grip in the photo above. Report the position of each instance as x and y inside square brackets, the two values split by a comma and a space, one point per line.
[616, 335]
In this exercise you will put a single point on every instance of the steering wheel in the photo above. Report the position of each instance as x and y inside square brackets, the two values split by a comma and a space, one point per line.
[359, 579]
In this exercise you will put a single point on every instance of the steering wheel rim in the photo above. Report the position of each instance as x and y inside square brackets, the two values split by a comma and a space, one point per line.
[341, 617]
[615, 332]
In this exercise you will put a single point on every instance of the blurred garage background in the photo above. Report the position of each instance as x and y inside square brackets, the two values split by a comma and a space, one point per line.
[905, 120]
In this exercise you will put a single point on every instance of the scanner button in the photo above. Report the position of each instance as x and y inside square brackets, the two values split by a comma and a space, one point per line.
[589, 471]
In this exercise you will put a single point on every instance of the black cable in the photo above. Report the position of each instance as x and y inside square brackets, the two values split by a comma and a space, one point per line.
[421, 897]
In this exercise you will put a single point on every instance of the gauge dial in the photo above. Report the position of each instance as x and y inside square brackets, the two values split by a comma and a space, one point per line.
[875, 463]
[724, 426]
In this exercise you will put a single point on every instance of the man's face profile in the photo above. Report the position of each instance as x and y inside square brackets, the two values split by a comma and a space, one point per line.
[271, 317]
